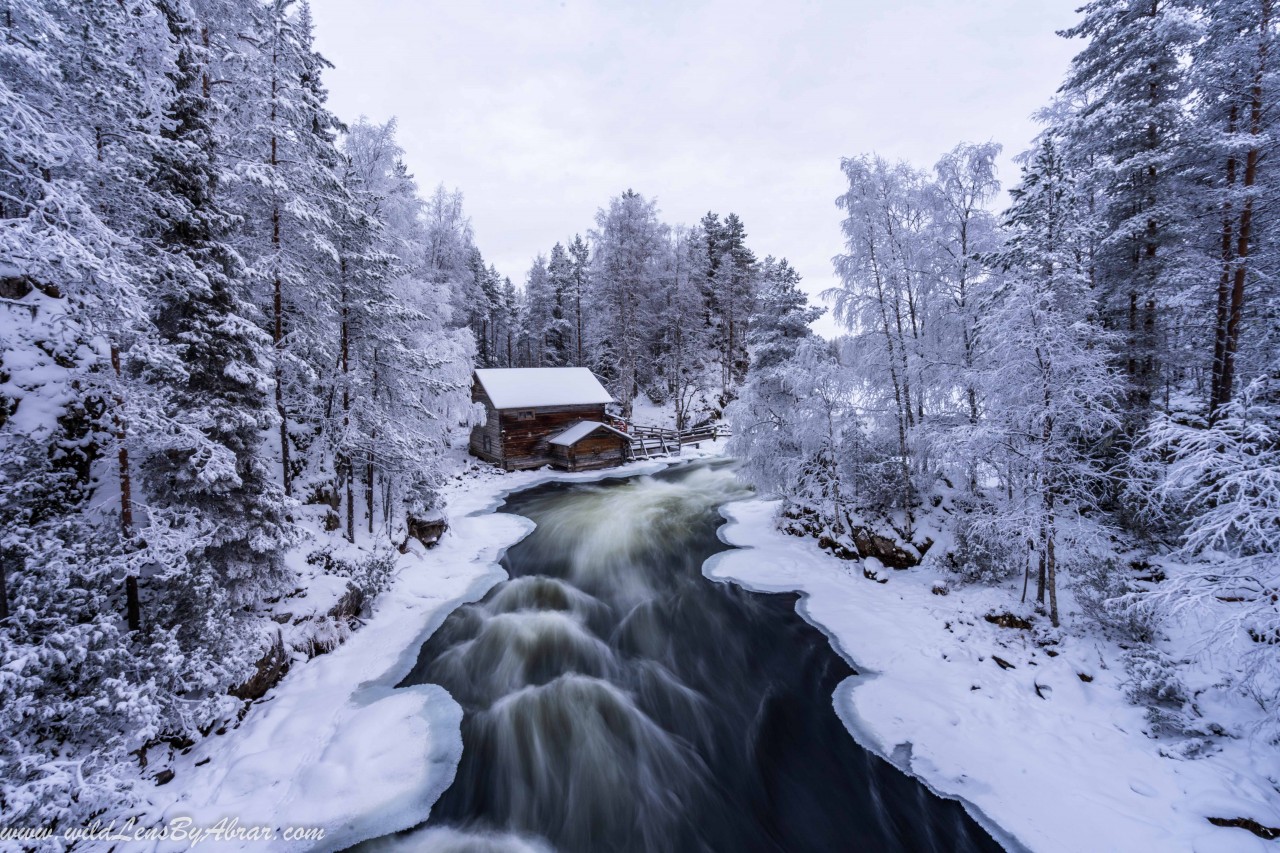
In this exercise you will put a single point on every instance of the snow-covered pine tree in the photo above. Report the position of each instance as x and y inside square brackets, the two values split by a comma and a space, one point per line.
[580, 277]
[1234, 74]
[285, 188]
[767, 433]
[729, 295]
[218, 523]
[1130, 83]
[561, 330]
[629, 247]
[539, 301]
[1223, 482]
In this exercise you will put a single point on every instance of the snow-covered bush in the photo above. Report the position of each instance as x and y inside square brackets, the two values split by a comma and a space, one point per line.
[981, 550]
[1110, 600]
[1153, 682]
[368, 573]
[1227, 477]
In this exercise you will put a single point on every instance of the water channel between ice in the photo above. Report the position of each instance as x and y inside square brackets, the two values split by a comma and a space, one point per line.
[616, 699]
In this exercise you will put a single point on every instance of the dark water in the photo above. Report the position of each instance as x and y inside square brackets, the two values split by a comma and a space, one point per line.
[617, 700]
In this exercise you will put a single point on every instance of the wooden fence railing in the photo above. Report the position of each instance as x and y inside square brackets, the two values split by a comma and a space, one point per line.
[648, 440]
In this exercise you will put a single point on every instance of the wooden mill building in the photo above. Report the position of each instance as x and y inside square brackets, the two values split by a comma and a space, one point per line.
[545, 415]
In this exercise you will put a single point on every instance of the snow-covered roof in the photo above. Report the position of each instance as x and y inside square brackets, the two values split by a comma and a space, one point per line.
[581, 430]
[535, 387]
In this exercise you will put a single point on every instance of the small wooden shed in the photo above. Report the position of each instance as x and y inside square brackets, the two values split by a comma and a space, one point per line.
[588, 445]
[528, 406]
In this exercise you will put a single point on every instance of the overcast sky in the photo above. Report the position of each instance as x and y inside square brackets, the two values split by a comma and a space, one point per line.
[540, 111]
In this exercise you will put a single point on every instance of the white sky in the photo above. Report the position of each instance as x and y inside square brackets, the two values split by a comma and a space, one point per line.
[540, 111]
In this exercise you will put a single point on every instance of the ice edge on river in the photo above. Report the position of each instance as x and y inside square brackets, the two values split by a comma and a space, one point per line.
[900, 754]
[1068, 770]
[333, 748]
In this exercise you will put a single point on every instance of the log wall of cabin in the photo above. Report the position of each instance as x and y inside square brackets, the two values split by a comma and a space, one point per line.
[601, 449]
[491, 429]
[524, 439]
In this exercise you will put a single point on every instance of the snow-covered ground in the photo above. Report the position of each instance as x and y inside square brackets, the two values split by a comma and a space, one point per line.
[1049, 749]
[335, 746]
[1047, 760]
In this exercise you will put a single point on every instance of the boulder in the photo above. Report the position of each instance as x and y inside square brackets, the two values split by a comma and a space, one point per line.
[426, 530]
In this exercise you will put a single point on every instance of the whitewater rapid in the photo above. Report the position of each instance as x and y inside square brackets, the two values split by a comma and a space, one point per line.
[616, 699]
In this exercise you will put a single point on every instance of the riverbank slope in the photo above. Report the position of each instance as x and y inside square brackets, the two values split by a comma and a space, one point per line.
[1041, 742]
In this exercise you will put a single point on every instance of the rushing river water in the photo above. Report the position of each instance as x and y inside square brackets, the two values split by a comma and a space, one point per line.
[617, 700]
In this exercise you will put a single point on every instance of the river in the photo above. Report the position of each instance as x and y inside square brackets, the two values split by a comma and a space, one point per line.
[616, 699]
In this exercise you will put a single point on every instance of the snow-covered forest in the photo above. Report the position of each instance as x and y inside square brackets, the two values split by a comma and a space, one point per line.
[659, 310]
[237, 337]
[1079, 390]
[228, 366]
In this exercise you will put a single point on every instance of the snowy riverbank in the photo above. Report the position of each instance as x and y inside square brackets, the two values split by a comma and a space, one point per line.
[1048, 750]
[335, 746]
[1065, 767]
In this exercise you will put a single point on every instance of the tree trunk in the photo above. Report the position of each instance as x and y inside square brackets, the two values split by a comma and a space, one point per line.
[342, 463]
[349, 477]
[1246, 214]
[122, 456]
[1224, 279]
[132, 607]
[277, 335]
[368, 490]
[373, 440]
[1042, 574]
[1050, 557]
[4, 590]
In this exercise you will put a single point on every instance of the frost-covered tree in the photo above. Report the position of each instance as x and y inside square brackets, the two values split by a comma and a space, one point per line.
[886, 299]
[205, 465]
[966, 233]
[1224, 482]
[1051, 390]
[630, 243]
[561, 330]
[288, 194]
[1234, 74]
[579, 277]
[685, 341]
[1129, 80]
[540, 310]
[405, 364]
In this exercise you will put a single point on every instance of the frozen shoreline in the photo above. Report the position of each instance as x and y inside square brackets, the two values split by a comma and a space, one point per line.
[335, 745]
[1066, 767]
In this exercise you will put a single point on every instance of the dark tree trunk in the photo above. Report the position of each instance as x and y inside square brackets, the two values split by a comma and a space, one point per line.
[277, 336]
[1246, 213]
[133, 610]
[342, 464]
[4, 590]
[1224, 279]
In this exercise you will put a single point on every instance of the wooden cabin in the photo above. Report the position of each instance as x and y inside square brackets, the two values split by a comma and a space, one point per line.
[527, 407]
[588, 445]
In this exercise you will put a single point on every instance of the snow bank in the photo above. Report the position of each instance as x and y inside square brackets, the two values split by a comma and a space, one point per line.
[334, 745]
[1057, 762]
